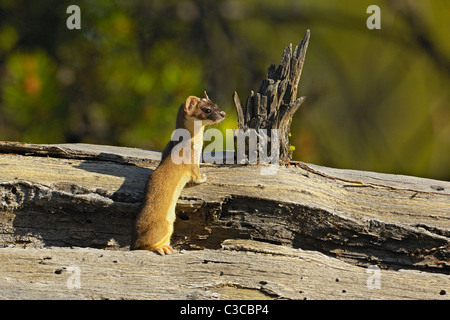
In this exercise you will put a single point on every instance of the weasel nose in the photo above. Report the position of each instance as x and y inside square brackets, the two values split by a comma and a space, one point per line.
[223, 114]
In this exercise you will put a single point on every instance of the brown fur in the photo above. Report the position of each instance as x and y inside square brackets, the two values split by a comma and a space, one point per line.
[154, 224]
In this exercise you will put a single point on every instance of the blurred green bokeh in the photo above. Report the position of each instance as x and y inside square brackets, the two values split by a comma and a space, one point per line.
[376, 99]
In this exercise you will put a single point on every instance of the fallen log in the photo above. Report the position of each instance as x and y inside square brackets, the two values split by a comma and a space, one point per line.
[88, 196]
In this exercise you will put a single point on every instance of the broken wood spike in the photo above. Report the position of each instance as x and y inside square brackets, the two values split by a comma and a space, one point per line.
[276, 101]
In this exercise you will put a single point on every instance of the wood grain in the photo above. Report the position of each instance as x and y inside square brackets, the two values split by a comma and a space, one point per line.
[242, 270]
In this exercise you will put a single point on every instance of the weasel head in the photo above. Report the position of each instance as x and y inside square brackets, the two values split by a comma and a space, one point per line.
[202, 109]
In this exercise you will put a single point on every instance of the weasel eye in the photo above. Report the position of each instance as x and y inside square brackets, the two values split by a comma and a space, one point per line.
[207, 110]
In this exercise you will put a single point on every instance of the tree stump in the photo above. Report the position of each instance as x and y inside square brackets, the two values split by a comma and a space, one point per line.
[275, 103]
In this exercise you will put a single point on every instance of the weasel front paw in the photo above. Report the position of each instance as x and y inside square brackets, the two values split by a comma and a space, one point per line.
[198, 180]
[164, 250]
[202, 178]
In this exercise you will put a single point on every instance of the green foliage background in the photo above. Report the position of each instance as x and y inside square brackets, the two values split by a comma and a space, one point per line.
[376, 99]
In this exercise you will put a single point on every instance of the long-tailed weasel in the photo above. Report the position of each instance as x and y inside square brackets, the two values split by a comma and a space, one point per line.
[154, 224]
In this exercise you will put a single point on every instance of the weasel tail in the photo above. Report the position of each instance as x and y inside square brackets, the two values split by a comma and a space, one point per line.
[154, 224]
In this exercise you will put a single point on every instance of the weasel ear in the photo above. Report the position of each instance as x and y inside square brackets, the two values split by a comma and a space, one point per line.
[190, 104]
[205, 96]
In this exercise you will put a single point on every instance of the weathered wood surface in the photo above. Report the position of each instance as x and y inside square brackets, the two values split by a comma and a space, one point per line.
[88, 196]
[247, 270]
